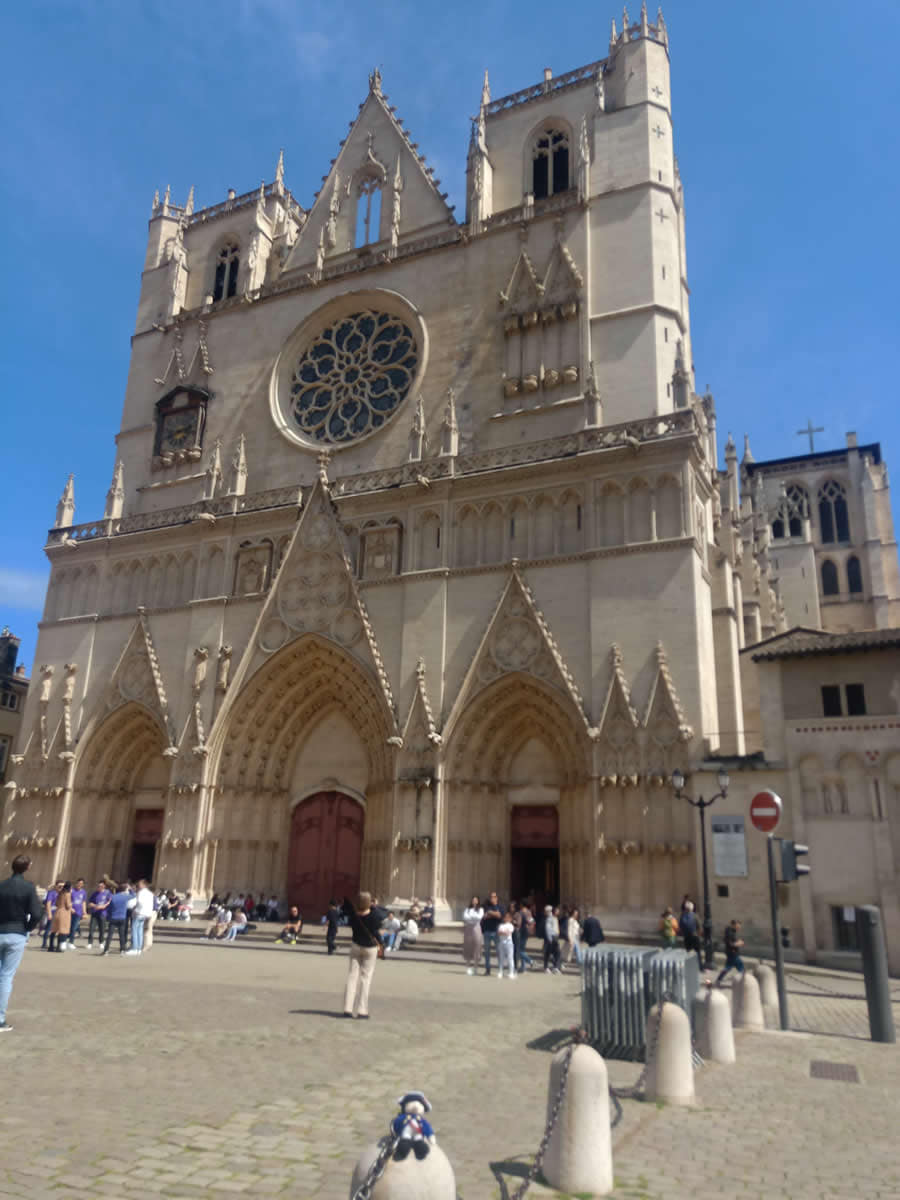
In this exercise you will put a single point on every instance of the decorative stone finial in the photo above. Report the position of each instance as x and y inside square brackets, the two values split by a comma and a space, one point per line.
[155, 207]
[645, 24]
[238, 484]
[613, 35]
[115, 497]
[167, 199]
[730, 449]
[748, 453]
[189, 206]
[450, 427]
[626, 22]
[279, 170]
[661, 30]
[65, 509]
[375, 82]
[485, 91]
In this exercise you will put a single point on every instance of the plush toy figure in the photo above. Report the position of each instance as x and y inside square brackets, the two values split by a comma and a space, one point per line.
[411, 1128]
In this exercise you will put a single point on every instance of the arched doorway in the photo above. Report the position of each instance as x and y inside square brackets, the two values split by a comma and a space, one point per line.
[325, 852]
[534, 853]
[119, 798]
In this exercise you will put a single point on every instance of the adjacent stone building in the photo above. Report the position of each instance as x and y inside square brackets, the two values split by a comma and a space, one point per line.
[13, 693]
[417, 566]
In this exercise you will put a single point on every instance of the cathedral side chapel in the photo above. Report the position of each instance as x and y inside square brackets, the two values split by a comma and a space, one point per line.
[417, 568]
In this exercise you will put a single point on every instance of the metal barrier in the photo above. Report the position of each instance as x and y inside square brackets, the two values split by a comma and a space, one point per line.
[620, 984]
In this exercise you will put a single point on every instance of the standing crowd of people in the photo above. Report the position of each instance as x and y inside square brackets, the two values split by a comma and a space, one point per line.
[505, 930]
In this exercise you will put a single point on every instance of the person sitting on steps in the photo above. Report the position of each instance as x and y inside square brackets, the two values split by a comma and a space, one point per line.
[293, 928]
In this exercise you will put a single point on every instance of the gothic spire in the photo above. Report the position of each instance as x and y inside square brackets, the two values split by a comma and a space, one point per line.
[115, 497]
[748, 453]
[625, 24]
[189, 206]
[65, 509]
[155, 207]
[238, 470]
[375, 82]
[279, 170]
[613, 35]
[485, 91]
[167, 199]
[645, 24]
[661, 30]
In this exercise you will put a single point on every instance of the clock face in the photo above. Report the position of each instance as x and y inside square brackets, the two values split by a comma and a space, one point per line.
[179, 430]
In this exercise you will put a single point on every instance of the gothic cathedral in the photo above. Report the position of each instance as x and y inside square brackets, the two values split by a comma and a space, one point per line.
[417, 569]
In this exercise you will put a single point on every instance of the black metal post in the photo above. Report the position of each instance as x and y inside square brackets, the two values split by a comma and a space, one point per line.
[783, 1018]
[707, 909]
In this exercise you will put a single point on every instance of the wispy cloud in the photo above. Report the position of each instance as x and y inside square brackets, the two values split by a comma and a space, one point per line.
[22, 589]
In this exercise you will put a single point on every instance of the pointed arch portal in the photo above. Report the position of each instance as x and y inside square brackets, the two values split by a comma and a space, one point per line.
[325, 852]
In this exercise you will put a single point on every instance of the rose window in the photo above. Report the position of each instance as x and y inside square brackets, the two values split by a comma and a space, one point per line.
[353, 377]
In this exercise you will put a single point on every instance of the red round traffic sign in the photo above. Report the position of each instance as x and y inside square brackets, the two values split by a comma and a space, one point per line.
[765, 811]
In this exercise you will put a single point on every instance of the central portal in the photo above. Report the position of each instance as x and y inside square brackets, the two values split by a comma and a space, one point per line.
[534, 853]
[325, 852]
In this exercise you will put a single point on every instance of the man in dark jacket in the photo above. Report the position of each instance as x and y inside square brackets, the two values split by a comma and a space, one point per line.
[592, 931]
[20, 912]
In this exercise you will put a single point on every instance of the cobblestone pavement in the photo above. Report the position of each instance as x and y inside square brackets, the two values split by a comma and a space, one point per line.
[211, 1071]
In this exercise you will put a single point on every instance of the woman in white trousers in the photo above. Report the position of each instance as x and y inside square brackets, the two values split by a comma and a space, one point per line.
[365, 921]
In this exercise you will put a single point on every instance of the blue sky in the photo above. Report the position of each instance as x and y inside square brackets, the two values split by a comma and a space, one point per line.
[785, 129]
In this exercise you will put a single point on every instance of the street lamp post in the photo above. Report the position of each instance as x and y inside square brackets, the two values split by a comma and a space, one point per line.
[703, 805]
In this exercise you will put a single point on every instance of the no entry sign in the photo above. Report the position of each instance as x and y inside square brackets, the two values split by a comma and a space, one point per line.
[765, 811]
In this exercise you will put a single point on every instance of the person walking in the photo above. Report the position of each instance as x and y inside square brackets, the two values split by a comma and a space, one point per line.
[49, 910]
[365, 921]
[490, 923]
[333, 920]
[79, 896]
[689, 928]
[523, 920]
[61, 924]
[141, 911]
[20, 912]
[668, 928]
[151, 921]
[733, 945]
[98, 909]
[573, 938]
[118, 918]
[551, 940]
[473, 939]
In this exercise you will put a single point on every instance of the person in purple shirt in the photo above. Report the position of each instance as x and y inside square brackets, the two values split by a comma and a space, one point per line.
[119, 904]
[79, 896]
[98, 908]
[50, 909]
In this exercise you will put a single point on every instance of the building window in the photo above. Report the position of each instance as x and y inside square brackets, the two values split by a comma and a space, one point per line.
[831, 700]
[227, 266]
[778, 528]
[844, 922]
[368, 212]
[854, 575]
[4, 754]
[856, 700]
[9, 700]
[834, 524]
[550, 163]
[830, 585]
[798, 509]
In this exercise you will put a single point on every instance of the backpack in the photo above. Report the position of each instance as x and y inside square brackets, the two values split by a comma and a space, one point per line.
[528, 924]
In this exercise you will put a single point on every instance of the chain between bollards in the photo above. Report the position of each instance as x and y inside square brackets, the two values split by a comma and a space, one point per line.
[375, 1172]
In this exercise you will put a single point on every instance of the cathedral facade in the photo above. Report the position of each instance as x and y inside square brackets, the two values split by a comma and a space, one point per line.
[417, 568]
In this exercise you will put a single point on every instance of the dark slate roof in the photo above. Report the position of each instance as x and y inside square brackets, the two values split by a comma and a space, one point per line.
[800, 642]
[872, 449]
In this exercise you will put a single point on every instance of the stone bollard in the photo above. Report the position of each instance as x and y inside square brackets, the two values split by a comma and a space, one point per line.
[670, 1074]
[768, 992]
[712, 1026]
[748, 1012]
[430, 1178]
[579, 1154]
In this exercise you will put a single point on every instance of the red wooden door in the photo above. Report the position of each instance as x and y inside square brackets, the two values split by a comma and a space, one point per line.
[533, 825]
[325, 853]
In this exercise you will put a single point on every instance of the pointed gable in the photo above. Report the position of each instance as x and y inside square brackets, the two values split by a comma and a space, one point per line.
[315, 592]
[518, 639]
[378, 154]
[524, 291]
[562, 279]
[420, 734]
[137, 677]
[665, 718]
[617, 729]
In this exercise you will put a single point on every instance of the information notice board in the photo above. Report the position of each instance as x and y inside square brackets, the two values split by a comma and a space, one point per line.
[729, 846]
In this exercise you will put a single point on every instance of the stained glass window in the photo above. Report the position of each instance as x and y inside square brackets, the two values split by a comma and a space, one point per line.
[353, 377]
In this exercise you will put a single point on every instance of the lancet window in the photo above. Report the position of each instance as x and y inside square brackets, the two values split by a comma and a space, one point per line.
[549, 163]
[228, 264]
[834, 524]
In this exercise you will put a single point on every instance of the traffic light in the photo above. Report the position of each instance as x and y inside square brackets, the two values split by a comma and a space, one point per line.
[790, 868]
[785, 937]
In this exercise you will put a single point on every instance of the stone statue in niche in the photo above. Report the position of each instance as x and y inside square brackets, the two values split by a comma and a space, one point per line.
[252, 572]
[225, 653]
[382, 552]
[46, 683]
[201, 654]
